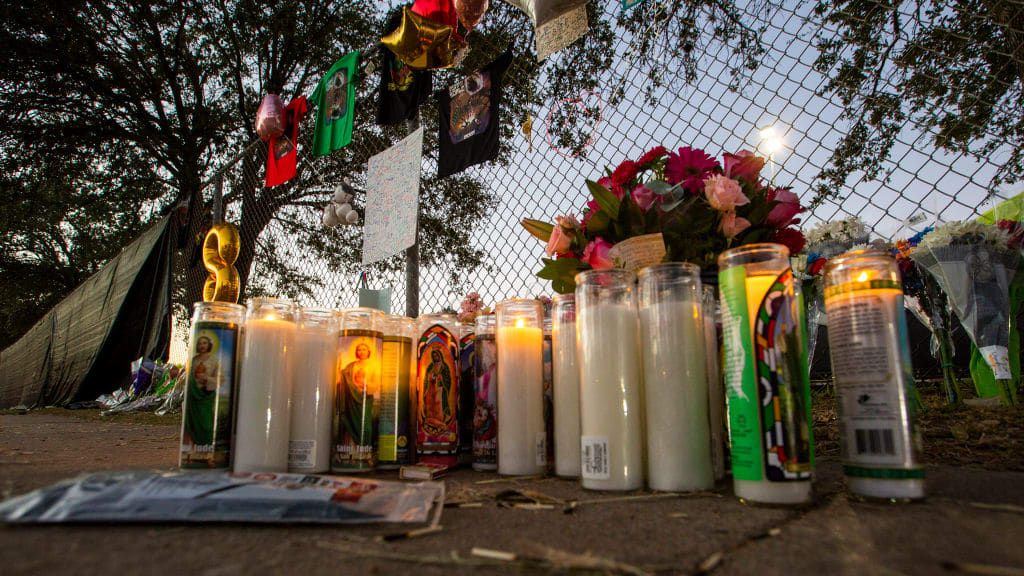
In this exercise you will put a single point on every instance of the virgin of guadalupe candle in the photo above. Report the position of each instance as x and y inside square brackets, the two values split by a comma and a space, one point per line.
[437, 390]
[716, 396]
[313, 366]
[394, 446]
[207, 409]
[263, 418]
[357, 390]
[566, 384]
[467, 372]
[522, 441]
[485, 396]
[675, 379]
[766, 376]
[867, 339]
[611, 381]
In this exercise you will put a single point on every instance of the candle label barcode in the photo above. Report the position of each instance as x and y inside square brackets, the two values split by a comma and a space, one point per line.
[595, 458]
[874, 381]
[874, 441]
[300, 453]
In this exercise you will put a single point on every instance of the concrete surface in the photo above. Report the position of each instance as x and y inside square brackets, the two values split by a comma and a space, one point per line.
[973, 521]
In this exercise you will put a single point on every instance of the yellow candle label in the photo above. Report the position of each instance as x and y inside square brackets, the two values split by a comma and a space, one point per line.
[356, 399]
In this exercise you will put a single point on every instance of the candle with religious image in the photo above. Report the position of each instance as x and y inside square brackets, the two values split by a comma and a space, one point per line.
[437, 390]
[313, 369]
[675, 379]
[566, 384]
[874, 380]
[263, 420]
[766, 379]
[467, 372]
[395, 446]
[611, 380]
[485, 396]
[211, 385]
[357, 391]
[522, 441]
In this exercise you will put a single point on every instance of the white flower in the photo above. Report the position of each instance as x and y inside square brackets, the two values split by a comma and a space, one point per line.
[970, 232]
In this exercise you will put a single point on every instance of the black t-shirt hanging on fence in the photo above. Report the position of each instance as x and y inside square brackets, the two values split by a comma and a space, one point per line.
[402, 90]
[468, 118]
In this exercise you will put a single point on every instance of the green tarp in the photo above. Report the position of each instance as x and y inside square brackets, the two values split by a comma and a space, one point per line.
[83, 347]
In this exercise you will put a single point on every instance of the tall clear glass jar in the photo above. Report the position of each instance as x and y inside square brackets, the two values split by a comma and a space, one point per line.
[485, 393]
[611, 380]
[522, 440]
[315, 355]
[357, 390]
[395, 443]
[437, 389]
[566, 386]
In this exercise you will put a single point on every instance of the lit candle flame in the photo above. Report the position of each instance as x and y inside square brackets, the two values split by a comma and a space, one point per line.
[520, 323]
[863, 277]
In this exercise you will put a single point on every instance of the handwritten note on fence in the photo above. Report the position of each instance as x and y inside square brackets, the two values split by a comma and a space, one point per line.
[392, 199]
[561, 31]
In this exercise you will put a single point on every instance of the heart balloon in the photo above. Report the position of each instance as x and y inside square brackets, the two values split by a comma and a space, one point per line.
[471, 11]
[440, 11]
[423, 43]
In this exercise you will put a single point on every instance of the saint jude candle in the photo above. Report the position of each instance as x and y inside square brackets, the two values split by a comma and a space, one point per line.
[867, 338]
[766, 380]
[522, 448]
[357, 390]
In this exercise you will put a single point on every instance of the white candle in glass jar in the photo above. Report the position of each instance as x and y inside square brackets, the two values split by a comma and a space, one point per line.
[521, 435]
[313, 368]
[566, 386]
[611, 381]
[675, 383]
[262, 426]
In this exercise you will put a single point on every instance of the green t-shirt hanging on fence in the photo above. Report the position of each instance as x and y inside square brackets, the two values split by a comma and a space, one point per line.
[335, 99]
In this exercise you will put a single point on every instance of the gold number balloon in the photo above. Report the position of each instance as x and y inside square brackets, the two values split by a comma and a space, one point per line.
[220, 250]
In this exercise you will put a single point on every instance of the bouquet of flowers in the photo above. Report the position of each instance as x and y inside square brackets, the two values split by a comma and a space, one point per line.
[699, 207]
[471, 307]
[973, 264]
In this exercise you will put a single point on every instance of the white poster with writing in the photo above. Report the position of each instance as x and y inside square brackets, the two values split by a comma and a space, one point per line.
[561, 31]
[392, 199]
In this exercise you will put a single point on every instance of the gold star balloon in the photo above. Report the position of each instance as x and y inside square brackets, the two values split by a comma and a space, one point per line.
[422, 43]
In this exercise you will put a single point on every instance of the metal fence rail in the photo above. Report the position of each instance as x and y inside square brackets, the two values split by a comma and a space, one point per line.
[717, 104]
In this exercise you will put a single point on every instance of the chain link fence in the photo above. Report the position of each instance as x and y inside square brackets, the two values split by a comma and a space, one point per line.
[718, 105]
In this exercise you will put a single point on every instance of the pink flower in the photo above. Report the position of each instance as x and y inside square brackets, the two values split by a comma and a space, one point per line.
[787, 207]
[643, 197]
[596, 254]
[559, 242]
[592, 208]
[689, 166]
[608, 184]
[724, 193]
[743, 165]
[568, 222]
[652, 155]
[732, 225]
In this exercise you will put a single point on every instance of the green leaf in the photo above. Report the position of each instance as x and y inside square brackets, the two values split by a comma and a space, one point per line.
[598, 224]
[538, 229]
[605, 199]
[562, 273]
[632, 218]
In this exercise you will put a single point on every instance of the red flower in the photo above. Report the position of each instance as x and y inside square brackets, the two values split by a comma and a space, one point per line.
[624, 173]
[690, 166]
[790, 238]
[786, 208]
[652, 155]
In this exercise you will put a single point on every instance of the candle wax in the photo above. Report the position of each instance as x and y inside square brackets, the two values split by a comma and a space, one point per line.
[521, 435]
[309, 446]
[566, 400]
[262, 428]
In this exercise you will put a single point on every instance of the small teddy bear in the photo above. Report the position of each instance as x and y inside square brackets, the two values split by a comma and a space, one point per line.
[339, 210]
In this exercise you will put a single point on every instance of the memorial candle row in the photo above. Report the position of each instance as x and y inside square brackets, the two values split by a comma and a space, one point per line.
[623, 386]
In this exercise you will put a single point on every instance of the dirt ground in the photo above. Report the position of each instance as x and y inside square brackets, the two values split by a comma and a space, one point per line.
[972, 522]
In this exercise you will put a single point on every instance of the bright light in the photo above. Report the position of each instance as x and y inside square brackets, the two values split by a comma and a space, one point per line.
[863, 277]
[520, 322]
[772, 141]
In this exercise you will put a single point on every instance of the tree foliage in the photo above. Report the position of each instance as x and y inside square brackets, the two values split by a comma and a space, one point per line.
[952, 69]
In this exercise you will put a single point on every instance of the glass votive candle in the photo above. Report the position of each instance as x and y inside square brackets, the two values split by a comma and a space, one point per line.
[313, 370]
[874, 380]
[394, 443]
[766, 376]
[566, 386]
[207, 409]
[437, 389]
[357, 390]
[713, 367]
[263, 420]
[675, 379]
[485, 392]
[522, 449]
[611, 384]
